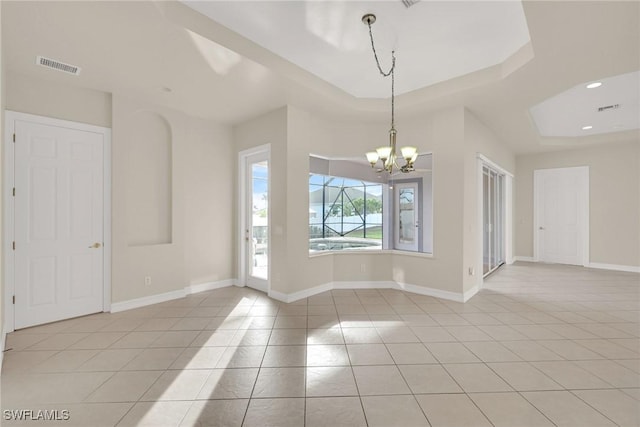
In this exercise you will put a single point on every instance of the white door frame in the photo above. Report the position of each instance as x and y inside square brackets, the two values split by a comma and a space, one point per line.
[8, 230]
[243, 210]
[481, 161]
[417, 217]
[584, 209]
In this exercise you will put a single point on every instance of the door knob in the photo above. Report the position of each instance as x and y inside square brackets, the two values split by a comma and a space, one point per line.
[540, 228]
[95, 246]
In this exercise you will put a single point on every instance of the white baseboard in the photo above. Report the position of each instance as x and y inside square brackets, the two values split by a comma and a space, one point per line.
[209, 286]
[420, 290]
[431, 292]
[598, 265]
[470, 293]
[365, 285]
[281, 296]
[3, 345]
[168, 296]
[295, 296]
[148, 300]
[615, 267]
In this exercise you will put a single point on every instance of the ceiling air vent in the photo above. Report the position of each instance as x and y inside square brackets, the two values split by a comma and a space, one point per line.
[608, 107]
[409, 3]
[57, 65]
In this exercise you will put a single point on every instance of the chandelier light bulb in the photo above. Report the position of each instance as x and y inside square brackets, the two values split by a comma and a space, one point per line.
[384, 152]
[408, 152]
[372, 157]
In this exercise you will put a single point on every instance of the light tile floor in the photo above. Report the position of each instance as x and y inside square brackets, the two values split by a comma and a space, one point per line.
[539, 346]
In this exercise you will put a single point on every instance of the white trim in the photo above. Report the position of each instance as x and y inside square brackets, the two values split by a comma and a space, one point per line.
[8, 205]
[432, 292]
[508, 219]
[470, 293]
[417, 219]
[172, 295]
[524, 258]
[365, 285]
[281, 296]
[148, 300]
[416, 289]
[493, 164]
[396, 252]
[479, 265]
[242, 210]
[584, 209]
[3, 345]
[615, 267]
[597, 265]
[208, 286]
[8, 228]
[507, 216]
[106, 218]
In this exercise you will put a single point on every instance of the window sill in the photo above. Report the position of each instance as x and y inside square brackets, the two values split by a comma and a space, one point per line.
[370, 252]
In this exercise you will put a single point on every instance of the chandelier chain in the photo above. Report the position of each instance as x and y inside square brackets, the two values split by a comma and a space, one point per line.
[387, 74]
[375, 55]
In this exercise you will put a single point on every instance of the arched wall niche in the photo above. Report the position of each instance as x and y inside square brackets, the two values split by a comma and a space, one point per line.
[149, 179]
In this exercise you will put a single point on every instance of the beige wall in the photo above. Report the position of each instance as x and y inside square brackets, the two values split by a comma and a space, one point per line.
[479, 139]
[26, 94]
[271, 129]
[294, 134]
[208, 206]
[614, 199]
[200, 248]
[202, 201]
[440, 133]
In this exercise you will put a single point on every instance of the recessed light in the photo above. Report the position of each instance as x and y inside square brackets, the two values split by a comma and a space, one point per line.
[594, 85]
[587, 127]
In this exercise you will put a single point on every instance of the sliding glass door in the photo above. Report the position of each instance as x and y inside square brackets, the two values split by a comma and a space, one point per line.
[493, 184]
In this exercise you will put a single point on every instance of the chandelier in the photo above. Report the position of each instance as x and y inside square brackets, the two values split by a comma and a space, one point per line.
[388, 155]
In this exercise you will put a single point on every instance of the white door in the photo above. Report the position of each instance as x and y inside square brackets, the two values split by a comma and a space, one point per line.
[561, 211]
[58, 223]
[256, 233]
[407, 225]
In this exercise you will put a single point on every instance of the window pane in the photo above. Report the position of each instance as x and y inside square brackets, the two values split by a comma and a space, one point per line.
[259, 223]
[344, 213]
[407, 232]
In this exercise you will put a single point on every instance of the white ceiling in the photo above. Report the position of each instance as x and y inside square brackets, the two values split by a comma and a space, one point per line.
[567, 113]
[138, 48]
[433, 41]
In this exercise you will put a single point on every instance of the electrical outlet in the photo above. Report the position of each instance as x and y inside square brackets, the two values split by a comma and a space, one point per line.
[472, 271]
[147, 280]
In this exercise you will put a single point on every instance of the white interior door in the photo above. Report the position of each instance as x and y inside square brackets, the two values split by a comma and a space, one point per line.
[407, 223]
[58, 226]
[256, 231]
[561, 211]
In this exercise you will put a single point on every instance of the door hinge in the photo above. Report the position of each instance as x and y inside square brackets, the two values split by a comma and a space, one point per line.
[14, 245]
[14, 191]
[14, 137]
[14, 299]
